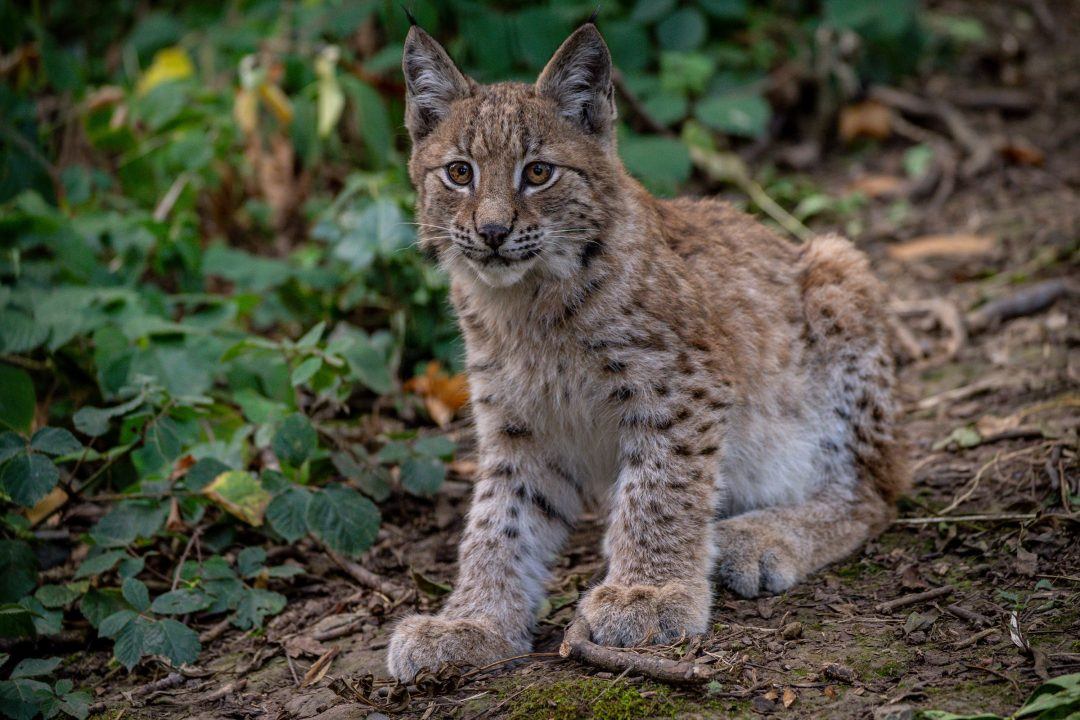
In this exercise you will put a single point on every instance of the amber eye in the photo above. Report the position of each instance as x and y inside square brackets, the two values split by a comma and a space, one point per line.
[538, 173]
[460, 173]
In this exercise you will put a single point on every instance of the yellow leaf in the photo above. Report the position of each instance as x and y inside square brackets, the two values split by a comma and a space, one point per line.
[331, 99]
[46, 505]
[443, 394]
[169, 64]
[241, 494]
[277, 102]
[246, 110]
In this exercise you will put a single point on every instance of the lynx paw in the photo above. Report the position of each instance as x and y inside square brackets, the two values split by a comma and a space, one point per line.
[752, 562]
[426, 641]
[627, 615]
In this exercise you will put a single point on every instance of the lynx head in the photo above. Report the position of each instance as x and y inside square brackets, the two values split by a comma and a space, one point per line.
[513, 180]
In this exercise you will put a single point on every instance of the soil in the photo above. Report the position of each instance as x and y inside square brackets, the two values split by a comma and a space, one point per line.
[993, 428]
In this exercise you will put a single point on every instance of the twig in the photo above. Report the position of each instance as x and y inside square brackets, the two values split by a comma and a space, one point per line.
[226, 690]
[914, 598]
[184, 556]
[169, 681]
[992, 517]
[576, 645]
[947, 316]
[1026, 301]
[970, 490]
[362, 575]
[292, 670]
[969, 641]
[214, 632]
[970, 615]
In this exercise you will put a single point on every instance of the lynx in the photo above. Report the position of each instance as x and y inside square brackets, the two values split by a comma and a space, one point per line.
[723, 396]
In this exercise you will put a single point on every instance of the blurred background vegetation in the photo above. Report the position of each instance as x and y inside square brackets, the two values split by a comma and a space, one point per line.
[213, 323]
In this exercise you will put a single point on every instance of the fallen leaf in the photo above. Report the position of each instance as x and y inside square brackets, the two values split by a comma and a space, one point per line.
[46, 505]
[429, 586]
[830, 692]
[865, 119]
[910, 578]
[876, 186]
[1026, 563]
[954, 245]
[299, 645]
[964, 436]
[442, 393]
[789, 697]
[840, 673]
[319, 668]
[175, 523]
[1019, 151]
[992, 424]
[772, 695]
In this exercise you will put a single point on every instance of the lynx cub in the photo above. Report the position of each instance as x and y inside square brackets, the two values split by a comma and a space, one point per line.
[724, 396]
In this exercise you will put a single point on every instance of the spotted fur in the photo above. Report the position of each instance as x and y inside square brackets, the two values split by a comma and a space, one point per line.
[724, 396]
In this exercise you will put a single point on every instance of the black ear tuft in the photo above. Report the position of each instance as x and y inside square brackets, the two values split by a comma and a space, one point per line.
[592, 18]
[410, 16]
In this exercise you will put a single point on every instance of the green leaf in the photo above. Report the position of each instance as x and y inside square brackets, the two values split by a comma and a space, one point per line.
[129, 521]
[649, 11]
[1056, 698]
[23, 698]
[305, 371]
[295, 440]
[34, 667]
[250, 561]
[46, 622]
[55, 441]
[343, 519]
[11, 444]
[15, 621]
[682, 30]
[369, 366]
[175, 641]
[203, 472]
[18, 400]
[94, 421]
[135, 592]
[743, 113]
[422, 475]
[287, 513]
[28, 478]
[393, 453]
[435, 446]
[18, 570]
[241, 494]
[311, 337]
[134, 639]
[180, 602]
[76, 704]
[372, 481]
[99, 564]
[255, 604]
[97, 604]
[429, 586]
[660, 163]
[377, 230]
[726, 9]
[59, 596]
[111, 626]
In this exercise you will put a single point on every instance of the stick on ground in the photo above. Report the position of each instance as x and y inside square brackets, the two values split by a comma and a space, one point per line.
[576, 645]
[906, 600]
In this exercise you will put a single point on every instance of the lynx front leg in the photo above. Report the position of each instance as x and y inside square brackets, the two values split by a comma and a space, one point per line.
[659, 543]
[522, 509]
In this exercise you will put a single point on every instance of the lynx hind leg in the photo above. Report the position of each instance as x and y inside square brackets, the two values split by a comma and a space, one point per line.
[860, 467]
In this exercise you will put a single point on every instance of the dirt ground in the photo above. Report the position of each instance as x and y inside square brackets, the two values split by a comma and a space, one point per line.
[992, 518]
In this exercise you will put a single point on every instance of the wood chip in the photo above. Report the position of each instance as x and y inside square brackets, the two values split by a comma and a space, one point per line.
[319, 668]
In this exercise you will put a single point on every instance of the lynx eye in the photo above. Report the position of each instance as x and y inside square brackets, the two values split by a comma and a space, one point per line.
[460, 173]
[538, 173]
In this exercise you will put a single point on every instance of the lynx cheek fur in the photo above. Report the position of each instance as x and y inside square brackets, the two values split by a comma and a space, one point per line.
[725, 396]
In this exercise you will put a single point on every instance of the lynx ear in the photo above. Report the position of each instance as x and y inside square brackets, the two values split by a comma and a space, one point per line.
[432, 82]
[578, 79]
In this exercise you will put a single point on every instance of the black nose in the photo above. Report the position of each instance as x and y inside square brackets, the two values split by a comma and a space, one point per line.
[494, 235]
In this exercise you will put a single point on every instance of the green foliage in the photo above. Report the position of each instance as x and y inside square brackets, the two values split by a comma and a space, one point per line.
[1056, 699]
[208, 274]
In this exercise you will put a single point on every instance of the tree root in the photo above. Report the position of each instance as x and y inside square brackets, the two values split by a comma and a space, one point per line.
[577, 645]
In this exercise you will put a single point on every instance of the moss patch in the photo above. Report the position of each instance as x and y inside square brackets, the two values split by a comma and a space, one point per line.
[595, 698]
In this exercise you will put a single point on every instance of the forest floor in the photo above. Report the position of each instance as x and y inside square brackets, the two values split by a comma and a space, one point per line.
[992, 407]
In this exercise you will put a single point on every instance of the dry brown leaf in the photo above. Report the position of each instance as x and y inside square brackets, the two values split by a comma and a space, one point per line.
[830, 692]
[865, 119]
[875, 186]
[772, 695]
[299, 645]
[989, 425]
[319, 668]
[955, 245]
[443, 394]
[175, 523]
[789, 697]
[46, 505]
[1020, 152]
[181, 468]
